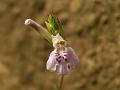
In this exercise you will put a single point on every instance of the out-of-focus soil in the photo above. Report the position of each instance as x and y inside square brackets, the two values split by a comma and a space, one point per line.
[92, 28]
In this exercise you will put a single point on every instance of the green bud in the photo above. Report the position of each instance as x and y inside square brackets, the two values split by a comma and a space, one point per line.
[54, 26]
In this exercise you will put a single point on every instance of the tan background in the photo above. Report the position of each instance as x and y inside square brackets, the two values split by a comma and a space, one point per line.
[92, 28]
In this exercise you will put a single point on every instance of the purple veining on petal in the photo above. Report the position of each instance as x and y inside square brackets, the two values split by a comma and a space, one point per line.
[59, 61]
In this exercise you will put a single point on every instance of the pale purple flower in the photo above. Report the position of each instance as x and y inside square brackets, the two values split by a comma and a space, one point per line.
[59, 61]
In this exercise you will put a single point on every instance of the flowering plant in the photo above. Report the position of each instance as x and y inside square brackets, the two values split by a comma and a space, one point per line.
[63, 57]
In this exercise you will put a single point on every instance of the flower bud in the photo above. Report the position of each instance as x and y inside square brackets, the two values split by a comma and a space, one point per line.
[54, 26]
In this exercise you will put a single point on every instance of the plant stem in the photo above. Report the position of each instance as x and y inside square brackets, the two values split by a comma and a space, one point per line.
[61, 82]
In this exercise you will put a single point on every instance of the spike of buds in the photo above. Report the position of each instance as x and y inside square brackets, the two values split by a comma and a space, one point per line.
[54, 26]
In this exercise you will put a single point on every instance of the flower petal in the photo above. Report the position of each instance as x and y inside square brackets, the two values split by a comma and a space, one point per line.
[73, 58]
[62, 69]
[51, 63]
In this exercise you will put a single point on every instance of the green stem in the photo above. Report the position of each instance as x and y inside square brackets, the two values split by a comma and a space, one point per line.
[61, 82]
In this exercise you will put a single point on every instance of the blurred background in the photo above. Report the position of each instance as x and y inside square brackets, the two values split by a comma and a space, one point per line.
[92, 28]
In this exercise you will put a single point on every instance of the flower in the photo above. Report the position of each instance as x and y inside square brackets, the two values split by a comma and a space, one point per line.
[56, 40]
[61, 57]
[59, 61]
